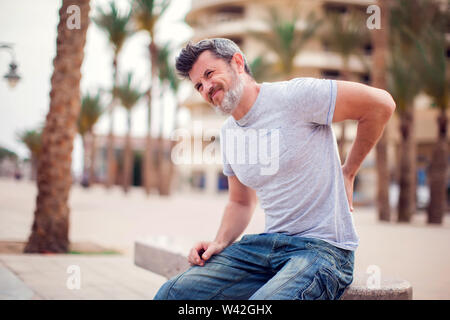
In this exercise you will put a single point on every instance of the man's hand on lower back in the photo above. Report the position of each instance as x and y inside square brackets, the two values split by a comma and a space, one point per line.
[349, 180]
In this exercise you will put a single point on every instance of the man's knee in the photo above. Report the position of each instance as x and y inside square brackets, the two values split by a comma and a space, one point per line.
[177, 288]
[167, 292]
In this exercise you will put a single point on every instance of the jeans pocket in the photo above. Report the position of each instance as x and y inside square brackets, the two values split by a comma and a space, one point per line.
[343, 259]
[324, 286]
[245, 238]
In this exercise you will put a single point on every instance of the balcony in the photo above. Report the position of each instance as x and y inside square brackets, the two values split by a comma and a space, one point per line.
[202, 4]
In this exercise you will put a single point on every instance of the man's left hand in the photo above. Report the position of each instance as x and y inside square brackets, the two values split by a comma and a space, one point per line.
[348, 182]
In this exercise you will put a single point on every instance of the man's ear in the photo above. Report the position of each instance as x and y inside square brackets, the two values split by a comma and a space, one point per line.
[239, 61]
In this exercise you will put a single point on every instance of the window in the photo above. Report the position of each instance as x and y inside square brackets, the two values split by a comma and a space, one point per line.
[238, 40]
[237, 10]
[365, 78]
[330, 74]
[368, 49]
[332, 8]
[228, 13]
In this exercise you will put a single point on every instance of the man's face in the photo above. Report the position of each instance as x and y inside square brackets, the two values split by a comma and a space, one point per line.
[217, 81]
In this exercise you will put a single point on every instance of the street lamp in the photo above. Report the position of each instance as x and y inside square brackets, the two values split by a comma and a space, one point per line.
[12, 76]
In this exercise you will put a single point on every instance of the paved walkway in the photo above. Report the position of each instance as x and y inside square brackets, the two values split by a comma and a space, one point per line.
[75, 277]
[416, 252]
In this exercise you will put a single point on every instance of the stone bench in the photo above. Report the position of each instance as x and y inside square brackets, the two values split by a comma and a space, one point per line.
[168, 263]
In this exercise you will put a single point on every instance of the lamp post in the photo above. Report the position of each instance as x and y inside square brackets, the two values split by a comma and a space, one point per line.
[11, 76]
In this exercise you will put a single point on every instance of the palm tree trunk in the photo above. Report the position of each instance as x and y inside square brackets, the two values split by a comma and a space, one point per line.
[380, 41]
[86, 165]
[149, 168]
[34, 161]
[127, 161]
[407, 197]
[438, 173]
[163, 161]
[110, 154]
[51, 218]
[383, 178]
[92, 178]
[145, 172]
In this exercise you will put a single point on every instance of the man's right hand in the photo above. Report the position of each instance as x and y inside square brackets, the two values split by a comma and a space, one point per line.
[235, 219]
[202, 251]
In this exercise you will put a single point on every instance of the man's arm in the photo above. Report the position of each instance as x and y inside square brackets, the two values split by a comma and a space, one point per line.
[236, 217]
[372, 108]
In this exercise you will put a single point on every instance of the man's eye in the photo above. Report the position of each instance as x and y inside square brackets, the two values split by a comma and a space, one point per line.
[199, 87]
[209, 73]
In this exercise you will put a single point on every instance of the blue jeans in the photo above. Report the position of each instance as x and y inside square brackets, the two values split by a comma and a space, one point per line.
[263, 266]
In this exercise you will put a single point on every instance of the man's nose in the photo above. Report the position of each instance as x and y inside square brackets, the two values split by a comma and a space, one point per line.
[207, 88]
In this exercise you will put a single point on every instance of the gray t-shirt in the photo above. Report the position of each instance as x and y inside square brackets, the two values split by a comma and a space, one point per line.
[285, 149]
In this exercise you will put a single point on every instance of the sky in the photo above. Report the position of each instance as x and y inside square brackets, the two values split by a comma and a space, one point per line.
[31, 27]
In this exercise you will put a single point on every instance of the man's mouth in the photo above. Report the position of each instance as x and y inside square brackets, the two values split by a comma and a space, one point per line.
[213, 94]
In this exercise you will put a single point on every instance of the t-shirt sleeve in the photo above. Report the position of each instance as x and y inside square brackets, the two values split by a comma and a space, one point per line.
[312, 100]
[227, 170]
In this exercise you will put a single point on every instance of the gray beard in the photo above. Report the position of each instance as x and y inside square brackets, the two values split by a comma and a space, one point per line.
[232, 97]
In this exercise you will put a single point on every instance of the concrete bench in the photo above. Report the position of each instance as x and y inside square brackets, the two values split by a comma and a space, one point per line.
[168, 263]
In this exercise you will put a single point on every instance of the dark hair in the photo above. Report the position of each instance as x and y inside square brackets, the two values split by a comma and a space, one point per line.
[220, 47]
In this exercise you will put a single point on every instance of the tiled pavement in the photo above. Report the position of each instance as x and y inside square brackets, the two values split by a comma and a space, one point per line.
[416, 252]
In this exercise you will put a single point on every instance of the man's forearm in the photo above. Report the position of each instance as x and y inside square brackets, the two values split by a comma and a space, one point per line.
[369, 131]
[236, 218]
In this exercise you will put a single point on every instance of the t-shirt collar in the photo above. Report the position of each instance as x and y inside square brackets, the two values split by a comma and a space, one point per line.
[251, 114]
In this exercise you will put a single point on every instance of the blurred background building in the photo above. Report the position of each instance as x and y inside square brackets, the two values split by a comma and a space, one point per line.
[246, 22]
[238, 20]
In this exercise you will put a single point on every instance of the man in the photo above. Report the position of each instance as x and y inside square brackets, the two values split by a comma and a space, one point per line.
[307, 248]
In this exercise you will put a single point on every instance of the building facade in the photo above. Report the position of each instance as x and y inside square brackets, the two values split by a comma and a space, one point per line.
[238, 20]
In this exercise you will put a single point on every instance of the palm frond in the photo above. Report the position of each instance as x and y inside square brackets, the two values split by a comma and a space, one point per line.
[285, 39]
[6, 153]
[403, 83]
[166, 70]
[147, 12]
[91, 110]
[32, 139]
[433, 67]
[432, 60]
[115, 24]
[344, 34]
[128, 93]
[405, 21]
[261, 69]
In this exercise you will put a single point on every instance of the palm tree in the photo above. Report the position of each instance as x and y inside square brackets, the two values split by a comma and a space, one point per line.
[168, 81]
[7, 154]
[128, 95]
[91, 110]
[146, 14]
[51, 218]
[286, 40]
[404, 85]
[33, 140]
[406, 82]
[436, 82]
[343, 34]
[166, 75]
[260, 69]
[116, 27]
[379, 62]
